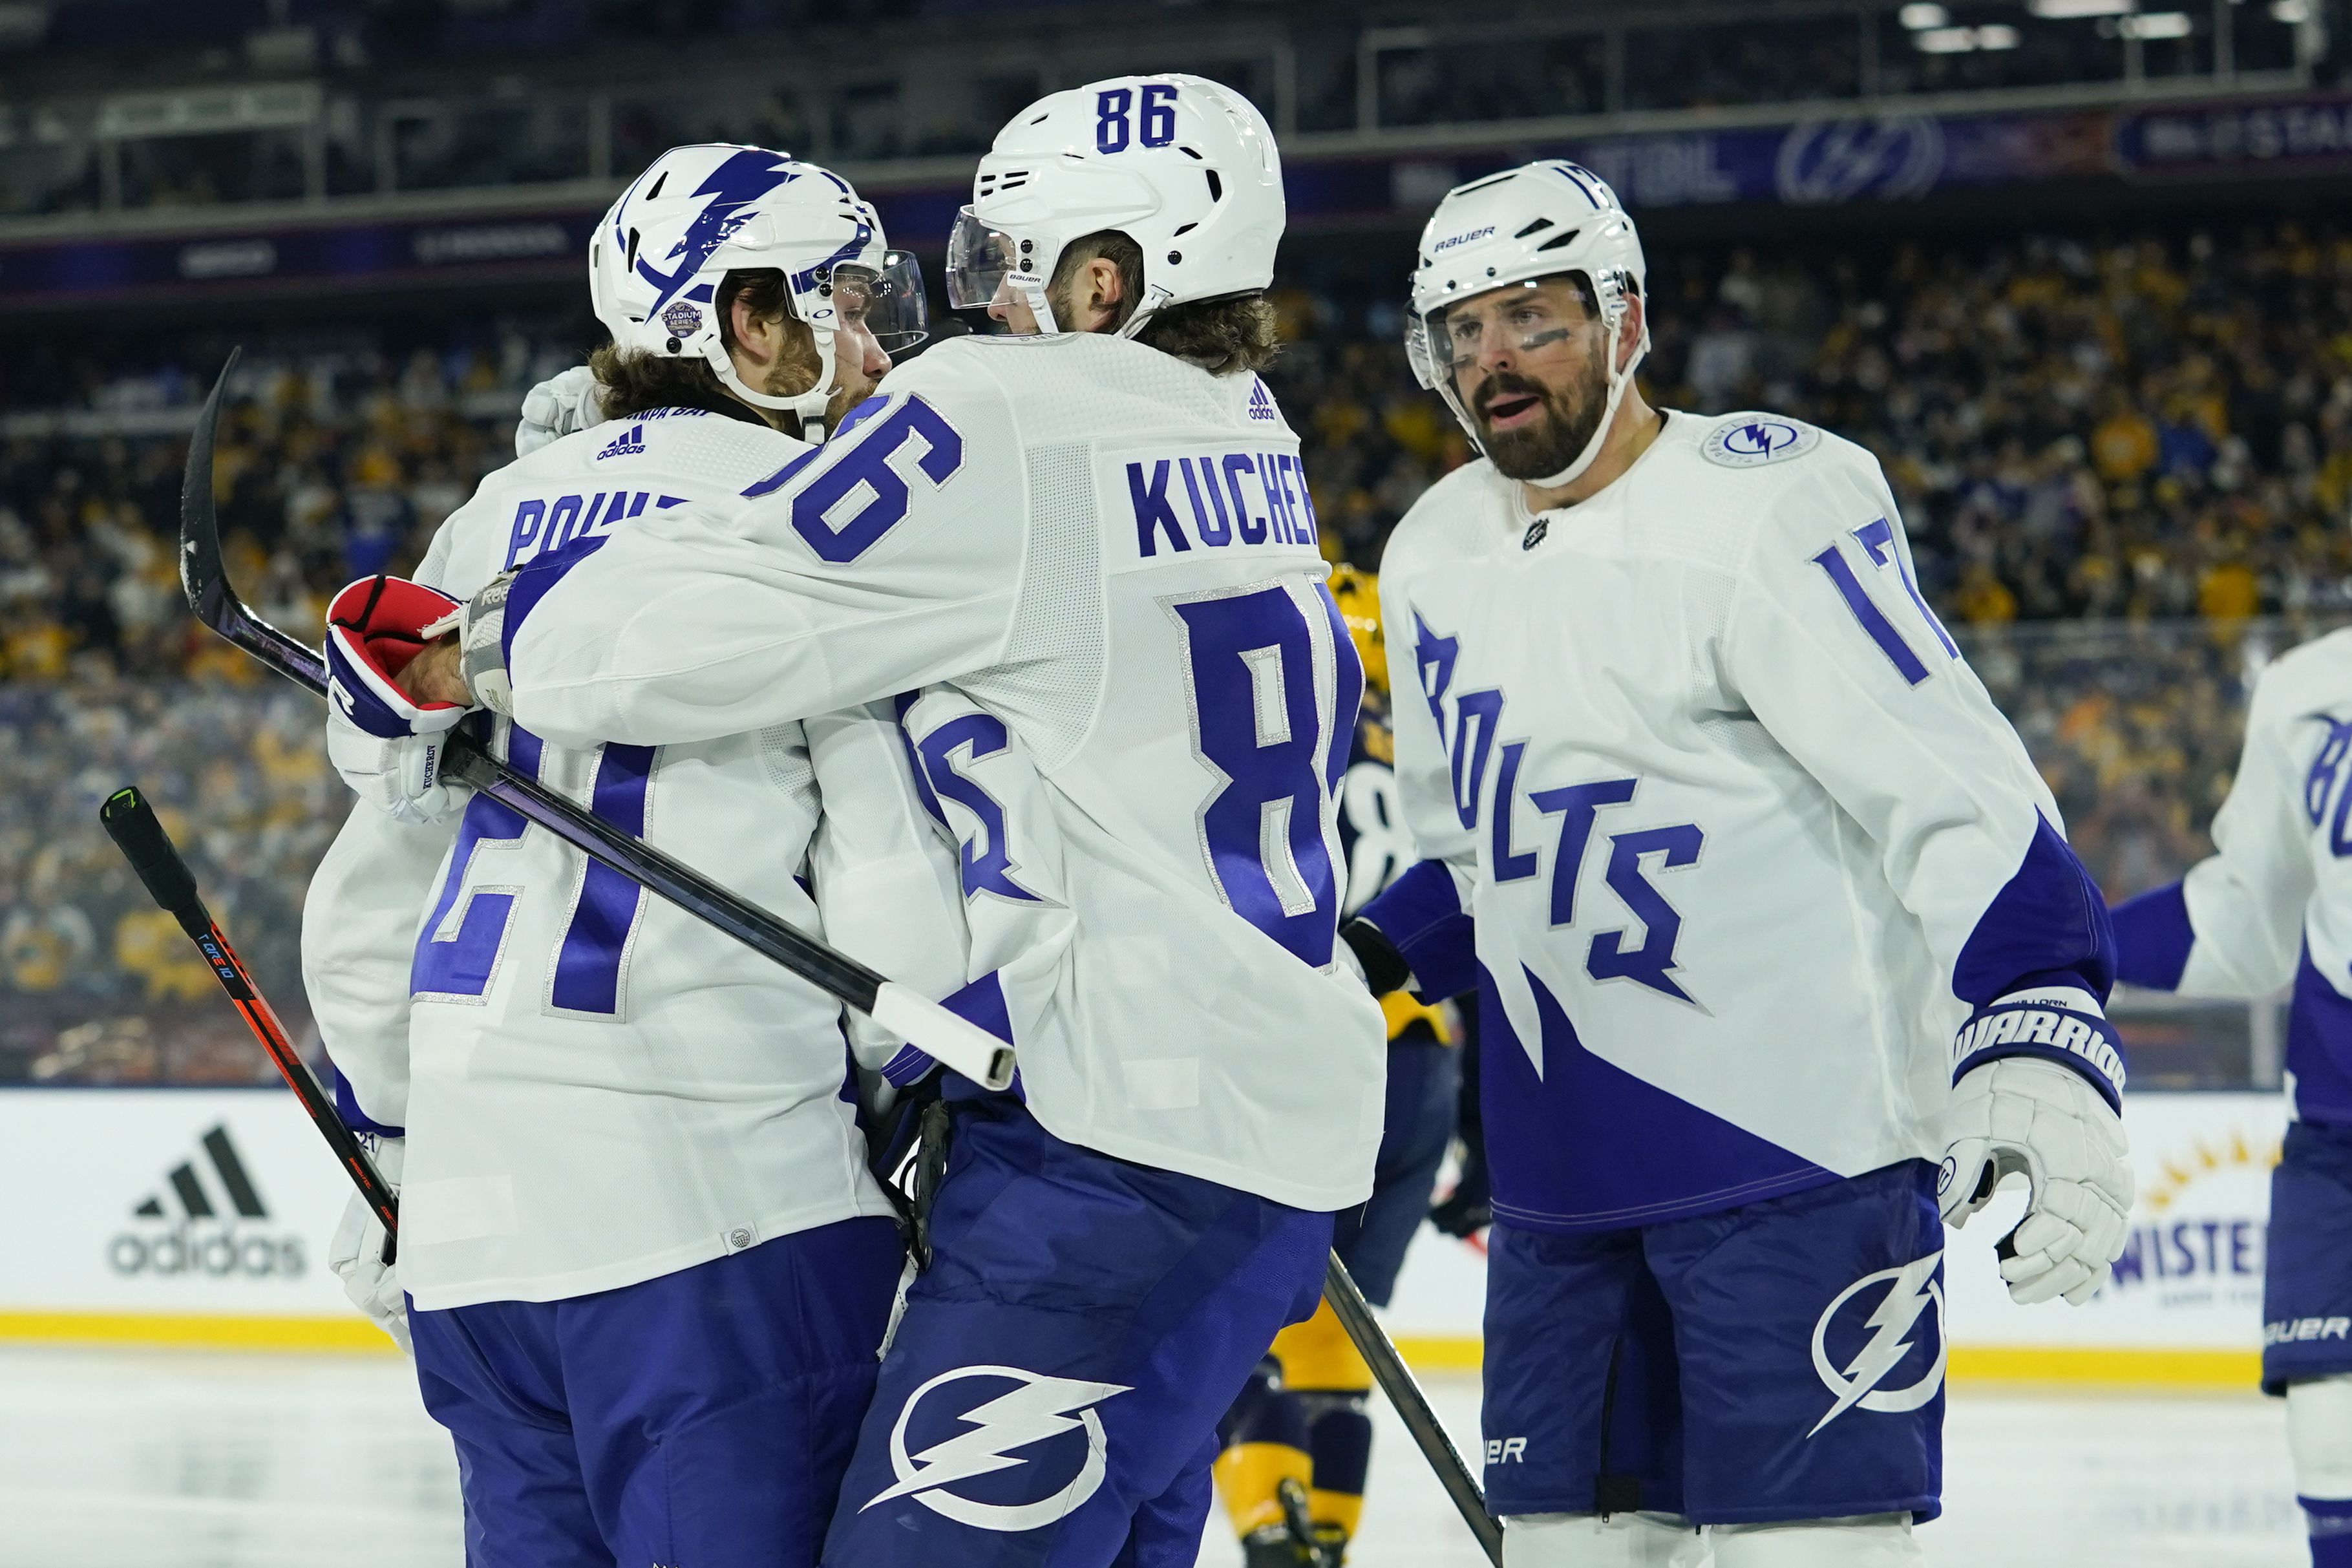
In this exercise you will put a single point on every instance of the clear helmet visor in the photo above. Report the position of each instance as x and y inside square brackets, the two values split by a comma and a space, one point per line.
[1531, 320]
[885, 303]
[980, 258]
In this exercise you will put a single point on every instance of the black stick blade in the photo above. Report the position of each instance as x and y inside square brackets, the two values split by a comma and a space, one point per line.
[203, 574]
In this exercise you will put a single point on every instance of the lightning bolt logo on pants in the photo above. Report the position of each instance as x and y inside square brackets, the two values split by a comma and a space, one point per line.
[1913, 1289]
[1040, 1409]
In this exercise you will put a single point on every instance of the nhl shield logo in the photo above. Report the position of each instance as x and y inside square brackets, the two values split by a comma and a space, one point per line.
[682, 319]
[1535, 533]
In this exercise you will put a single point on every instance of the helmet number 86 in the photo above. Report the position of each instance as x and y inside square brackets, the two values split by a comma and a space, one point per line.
[1158, 116]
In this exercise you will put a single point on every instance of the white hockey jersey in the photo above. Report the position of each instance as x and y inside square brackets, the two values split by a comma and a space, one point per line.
[1111, 553]
[597, 1087]
[2274, 904]
[1740, 836]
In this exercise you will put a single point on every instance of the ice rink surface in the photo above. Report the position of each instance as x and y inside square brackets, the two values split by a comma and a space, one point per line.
[182, 1459]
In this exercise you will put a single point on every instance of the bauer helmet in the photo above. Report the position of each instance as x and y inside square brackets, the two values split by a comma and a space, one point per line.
[1511, 230]
[1358, 594]
[1184, 167]
[656, 261]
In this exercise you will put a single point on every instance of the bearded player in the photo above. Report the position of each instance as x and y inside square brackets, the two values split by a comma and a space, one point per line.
[1767, 912]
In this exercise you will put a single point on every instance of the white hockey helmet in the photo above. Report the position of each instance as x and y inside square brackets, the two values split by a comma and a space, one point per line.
[1182, 165]
[656, 261]
[1508, 230]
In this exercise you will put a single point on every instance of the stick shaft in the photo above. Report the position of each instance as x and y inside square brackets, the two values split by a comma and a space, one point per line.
[1396, 1381]
[132, 825]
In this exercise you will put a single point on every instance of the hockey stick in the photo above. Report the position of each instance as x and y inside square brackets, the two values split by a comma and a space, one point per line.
[132, 822]
[961, 1045]
[1396, 1381]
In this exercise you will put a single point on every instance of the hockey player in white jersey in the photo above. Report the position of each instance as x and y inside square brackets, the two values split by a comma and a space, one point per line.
[1767, 912]
[2271, 907]
[646, 1270]
[1097, 531]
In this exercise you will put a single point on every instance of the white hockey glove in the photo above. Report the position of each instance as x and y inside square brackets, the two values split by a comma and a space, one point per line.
[2017, 1107]
[558, 406]
[387, 748]
[356, 1254]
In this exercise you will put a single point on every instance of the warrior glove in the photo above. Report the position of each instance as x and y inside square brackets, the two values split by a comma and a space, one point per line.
[389, 749]
[2037, 1092]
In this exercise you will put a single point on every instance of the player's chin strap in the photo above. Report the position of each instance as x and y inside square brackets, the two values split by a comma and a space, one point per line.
[1620, 380]
[1030, 287]
[1154, 297]
[810, 405]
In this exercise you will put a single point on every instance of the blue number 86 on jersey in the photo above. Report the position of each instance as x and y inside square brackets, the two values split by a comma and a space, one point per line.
[863, 453]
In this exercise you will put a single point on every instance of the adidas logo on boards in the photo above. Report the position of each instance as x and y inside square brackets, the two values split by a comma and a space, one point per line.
[630, 442]
[206, 1225]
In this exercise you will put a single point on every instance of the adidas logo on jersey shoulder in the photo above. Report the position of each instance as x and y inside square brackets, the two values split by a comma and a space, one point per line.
[628, 443]
[1261, 402]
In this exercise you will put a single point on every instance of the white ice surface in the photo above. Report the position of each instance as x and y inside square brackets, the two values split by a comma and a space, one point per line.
[166, 1459]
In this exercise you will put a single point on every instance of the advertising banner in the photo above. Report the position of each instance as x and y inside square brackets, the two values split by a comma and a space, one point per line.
[2306, 135]
[164, 1214]
[1859, 156]
[458, 249]
[168, 1205]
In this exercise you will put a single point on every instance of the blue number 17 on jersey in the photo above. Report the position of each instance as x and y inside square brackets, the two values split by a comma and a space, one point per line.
[1251, 659]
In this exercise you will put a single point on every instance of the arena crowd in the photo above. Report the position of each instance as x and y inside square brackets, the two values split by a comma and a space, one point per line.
[2126, 465]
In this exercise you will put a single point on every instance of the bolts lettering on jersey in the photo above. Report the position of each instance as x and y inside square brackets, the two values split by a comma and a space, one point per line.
[1433, 658]
[1911, 1289]
[986, 852]
[1038, 1408]
[2326, 766]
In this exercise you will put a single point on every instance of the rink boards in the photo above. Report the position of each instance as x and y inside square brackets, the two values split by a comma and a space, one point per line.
[202, 1217]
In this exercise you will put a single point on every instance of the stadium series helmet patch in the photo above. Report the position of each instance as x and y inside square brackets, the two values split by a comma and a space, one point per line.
[1747, 440]
[682, 319]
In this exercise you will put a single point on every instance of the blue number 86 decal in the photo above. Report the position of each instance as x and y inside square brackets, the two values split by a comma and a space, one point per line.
[1156, 126]
[867, 464]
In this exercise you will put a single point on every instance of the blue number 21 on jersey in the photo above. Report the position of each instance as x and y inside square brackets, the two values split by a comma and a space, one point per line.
[1250, 661]
[465, 938]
